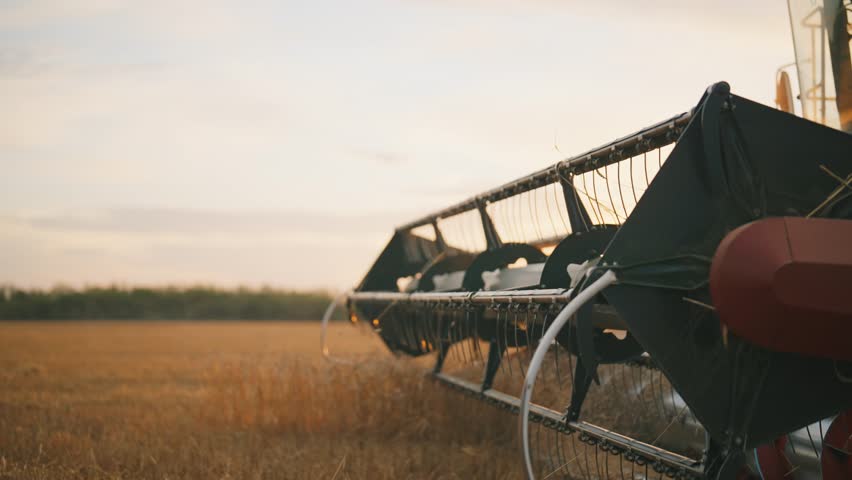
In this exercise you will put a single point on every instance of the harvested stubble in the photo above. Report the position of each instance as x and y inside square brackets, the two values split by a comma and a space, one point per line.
[213, 400]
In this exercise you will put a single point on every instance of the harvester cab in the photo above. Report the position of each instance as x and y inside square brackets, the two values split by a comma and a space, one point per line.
[675, 303]
[822, 68]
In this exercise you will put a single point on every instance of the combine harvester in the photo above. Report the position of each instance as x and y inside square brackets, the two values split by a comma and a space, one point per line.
[681, 298]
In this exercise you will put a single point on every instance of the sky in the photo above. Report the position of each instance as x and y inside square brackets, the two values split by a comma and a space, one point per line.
[278, 143]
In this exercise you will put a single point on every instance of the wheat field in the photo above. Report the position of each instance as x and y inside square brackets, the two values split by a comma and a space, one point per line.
[218, 400]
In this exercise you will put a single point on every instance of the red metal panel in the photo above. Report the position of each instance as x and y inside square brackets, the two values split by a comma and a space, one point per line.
[786, 284]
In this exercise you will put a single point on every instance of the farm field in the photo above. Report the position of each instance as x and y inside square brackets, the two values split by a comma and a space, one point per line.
[231, 400]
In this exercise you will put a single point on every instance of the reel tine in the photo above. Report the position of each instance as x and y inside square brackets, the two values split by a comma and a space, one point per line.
[633, 184]
[595, 192]
[545, 455]
[543, 326]
[637, 386]
[575, 455]
[562, 467]
[597, 462]
[670, 411]
[423, 328]
[451, 337]
[547, 207]
[632, 470]
[436, 329]
[417, 332]
[586, 459]
[620, 193]
[556, 361]
[501, 346]
[576, 461]
[629, 379]
[506, 354]
[473, 329]
[661, 383]
[560, 210]
[414, 330]
[447, 315]
[518, 217]
[460, 336]
[396, 329]
[532, 318]
[817, 452]
[510, 229]
[457, 322]
[425, 332]
[440, 326]
[405, 337]
[477, 345]
[570, 367]
[539, 220]
[508, 211]
[658, 397]
[549, 451]
[456, 337]
[530, 325]
[624, 385]
[585, 192]
[536, 440]
[515, 212]
[655, 386]
[565, 458]
[468, 342]
[534, 207]
[821, 435]
[609, 193]
[642, 387]
[517, 346]
[560, 458]
[672, 394]
[572, 459]
[411, 326]
[433, 326]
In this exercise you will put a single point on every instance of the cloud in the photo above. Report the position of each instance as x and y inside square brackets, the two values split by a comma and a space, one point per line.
[198, 222]
[184, 247]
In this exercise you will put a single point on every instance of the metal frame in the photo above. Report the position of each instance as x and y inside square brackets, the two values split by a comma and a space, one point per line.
[647, 139]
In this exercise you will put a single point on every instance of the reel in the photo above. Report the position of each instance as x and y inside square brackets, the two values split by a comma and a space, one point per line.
[613, 301]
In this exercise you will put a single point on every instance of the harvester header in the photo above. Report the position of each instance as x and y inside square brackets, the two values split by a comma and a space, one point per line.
[592, 279]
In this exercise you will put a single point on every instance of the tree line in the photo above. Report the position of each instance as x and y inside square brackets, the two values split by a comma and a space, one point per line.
[162, 303]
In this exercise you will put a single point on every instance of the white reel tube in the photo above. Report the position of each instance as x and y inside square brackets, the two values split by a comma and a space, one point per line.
[561, 319]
